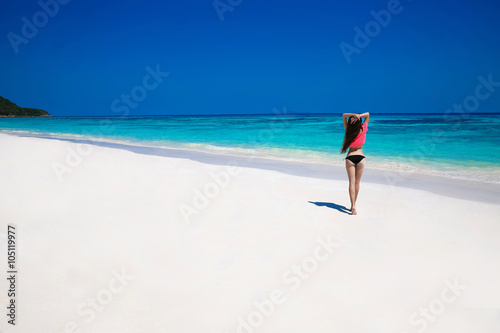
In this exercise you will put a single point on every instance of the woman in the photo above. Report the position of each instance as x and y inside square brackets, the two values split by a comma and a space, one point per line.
[355, 136]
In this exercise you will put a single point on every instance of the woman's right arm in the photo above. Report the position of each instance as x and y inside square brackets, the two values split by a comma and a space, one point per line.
[366, 115]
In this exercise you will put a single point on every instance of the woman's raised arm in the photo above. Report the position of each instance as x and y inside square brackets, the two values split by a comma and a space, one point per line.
[344, 118]
[366, 115]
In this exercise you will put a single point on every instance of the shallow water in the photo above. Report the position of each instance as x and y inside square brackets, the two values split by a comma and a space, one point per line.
[465, 147]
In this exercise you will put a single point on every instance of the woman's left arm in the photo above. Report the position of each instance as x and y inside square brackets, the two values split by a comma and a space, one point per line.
[345, 116]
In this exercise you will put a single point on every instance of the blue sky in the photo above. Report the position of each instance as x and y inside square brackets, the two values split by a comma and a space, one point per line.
[90, 55]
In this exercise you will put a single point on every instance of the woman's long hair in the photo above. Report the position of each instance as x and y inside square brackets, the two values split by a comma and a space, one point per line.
[351, 133]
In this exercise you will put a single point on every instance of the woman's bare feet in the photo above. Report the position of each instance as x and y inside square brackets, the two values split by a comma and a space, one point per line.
[353, 211]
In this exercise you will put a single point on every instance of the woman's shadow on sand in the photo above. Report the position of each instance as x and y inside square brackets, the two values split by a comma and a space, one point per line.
[340, 208]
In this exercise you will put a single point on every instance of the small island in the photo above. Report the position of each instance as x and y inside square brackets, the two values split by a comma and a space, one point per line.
[9, 110]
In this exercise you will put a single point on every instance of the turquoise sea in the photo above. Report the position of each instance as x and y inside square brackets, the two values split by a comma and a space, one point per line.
[466, 146]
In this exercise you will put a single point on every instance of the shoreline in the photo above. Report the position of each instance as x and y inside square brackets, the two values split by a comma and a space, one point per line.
[456, 188]
[413, 160]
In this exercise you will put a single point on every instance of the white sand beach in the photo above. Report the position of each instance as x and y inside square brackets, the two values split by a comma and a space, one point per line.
[112, 240]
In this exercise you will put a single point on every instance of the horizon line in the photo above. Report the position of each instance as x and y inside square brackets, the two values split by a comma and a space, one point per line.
[265, 114]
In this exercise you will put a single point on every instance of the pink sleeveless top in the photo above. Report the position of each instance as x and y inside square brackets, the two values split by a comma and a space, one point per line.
[361, 138]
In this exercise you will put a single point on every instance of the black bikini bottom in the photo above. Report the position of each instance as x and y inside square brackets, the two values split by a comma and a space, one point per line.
[355, 158]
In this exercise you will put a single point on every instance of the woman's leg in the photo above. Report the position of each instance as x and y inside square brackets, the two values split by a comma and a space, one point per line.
[359, 172]
[351, 173]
